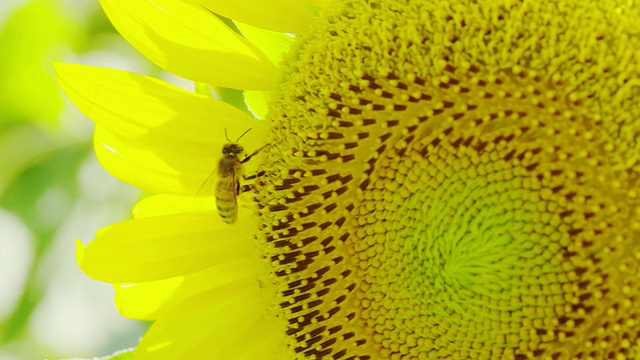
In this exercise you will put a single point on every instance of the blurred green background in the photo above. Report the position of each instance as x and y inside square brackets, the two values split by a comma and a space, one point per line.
[52, 189]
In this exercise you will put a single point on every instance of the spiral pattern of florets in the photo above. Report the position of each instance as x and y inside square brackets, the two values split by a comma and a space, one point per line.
[459, 180]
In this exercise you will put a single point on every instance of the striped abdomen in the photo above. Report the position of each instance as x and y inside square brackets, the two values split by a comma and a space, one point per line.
[226, 199]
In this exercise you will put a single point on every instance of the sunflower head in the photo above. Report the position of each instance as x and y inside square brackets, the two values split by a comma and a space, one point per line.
[456, 180]
[438, 180]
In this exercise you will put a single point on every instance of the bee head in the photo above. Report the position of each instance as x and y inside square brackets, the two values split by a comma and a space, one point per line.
[232, 149]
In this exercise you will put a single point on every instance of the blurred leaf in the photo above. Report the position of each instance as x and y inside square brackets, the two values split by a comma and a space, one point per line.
[31, 39]
[122, 355]
[54, 171]
[38, 184]
[14, 138]
[57, 168]
[97, 26]
[233, 97]
[126, 354]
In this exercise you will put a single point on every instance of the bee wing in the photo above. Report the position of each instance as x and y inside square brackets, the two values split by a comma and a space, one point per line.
[203, 199]
[208, 187]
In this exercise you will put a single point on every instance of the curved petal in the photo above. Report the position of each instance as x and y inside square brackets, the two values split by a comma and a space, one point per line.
[148, 300]
[289, 16]
[161, 247]
[154, 169]
[151, 111]
[163, 204]
[157, 169]
[258, 102]
[224, 323]
[187, 40]
[273, 44]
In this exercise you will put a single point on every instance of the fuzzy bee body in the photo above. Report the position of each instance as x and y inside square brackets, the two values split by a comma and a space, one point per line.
[229, 173]
[228, 187]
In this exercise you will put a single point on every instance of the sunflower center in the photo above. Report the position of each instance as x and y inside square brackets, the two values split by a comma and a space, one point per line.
[446, 182]
[468, 252]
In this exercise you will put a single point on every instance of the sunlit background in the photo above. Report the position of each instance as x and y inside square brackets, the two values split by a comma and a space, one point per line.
[52, 189]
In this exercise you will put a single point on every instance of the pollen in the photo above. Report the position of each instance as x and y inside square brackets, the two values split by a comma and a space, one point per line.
[454, 179]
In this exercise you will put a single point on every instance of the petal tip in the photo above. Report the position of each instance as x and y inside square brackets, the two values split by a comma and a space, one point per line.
[80, 251]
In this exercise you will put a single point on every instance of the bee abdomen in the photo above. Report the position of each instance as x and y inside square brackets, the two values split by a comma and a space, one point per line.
[227, 210]
[226, 201]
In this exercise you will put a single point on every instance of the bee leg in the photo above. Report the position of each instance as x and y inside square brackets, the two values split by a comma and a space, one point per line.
[256, 175]
[249, 187]
[248, 157]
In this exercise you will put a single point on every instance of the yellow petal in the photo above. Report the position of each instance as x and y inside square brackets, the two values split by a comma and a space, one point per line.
[161, 247]
[319, 3]
[156, 170]
[151, 111]
[147, 300]
[191, 42]
[163, 204]
[159, 170]
[289, 16]
[258, 102]
[224, 323]
[273, 44]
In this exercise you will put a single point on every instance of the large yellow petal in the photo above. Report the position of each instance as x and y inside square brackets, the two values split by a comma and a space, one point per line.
[153, 112]
[154, 169]
[163, 204]
[191, 42]
[160, 170]
[289, 16]
[229, 322]
[161, 247]
[148, 300]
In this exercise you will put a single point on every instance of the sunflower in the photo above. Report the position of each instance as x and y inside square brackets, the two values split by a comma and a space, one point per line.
[442, 179]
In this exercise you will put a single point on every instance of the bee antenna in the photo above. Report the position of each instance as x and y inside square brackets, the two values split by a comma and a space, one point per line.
[243, 134]
[225, 135]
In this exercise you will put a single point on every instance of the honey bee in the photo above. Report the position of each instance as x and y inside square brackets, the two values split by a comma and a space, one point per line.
[229, 172]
